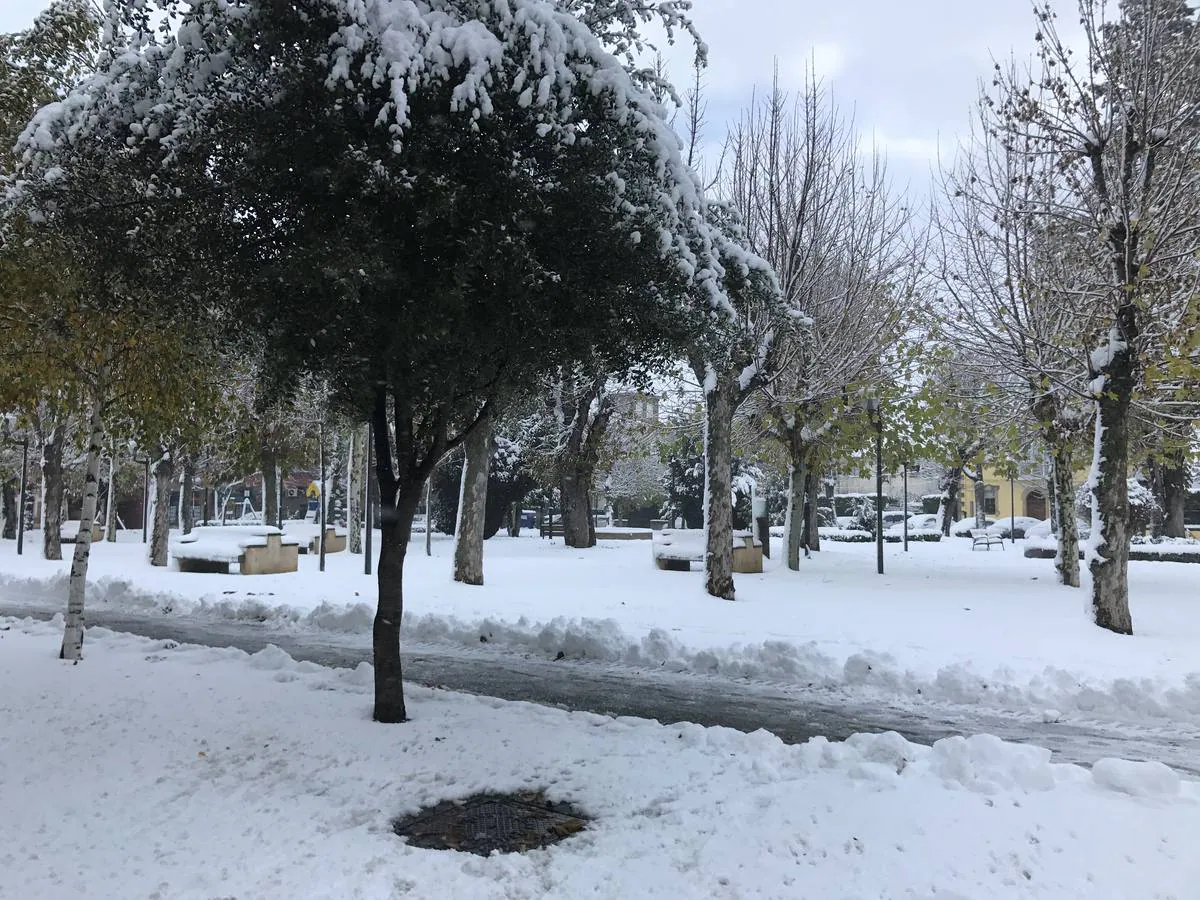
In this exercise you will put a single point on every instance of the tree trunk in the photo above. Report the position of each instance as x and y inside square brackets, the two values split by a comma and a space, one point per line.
[72, 645]
[110, 502]
[160, 532]
[951, 488]
[575, 486]
[354, 492]
[268, 462]
[812, 534]
[797, 477]
[187, 513]
[980, 490]
[335, 509]
[718, 489]
[1066, 563]
[1109, 561]
[398, 503]
[1052, 495]
[10, 509]
[52, 499]
[472, 506]
[1174, 474]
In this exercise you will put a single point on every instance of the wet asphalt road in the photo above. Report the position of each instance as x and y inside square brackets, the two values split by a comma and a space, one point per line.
[793, 713]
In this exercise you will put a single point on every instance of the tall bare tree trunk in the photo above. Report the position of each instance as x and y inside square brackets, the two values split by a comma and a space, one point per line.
[52, 496]
[575, 488]
[187, 513]
[396, 515]
[472, 506]
[797, 476]
[1174, 474]
[110, 503]
[72, 645]
[812, 534]
[1066, 563]
[268, 462]
[951, 491]
[354, 493]
[1109, 564]
[160, 531]
[11, 512]
[980, 490]
[718, 489]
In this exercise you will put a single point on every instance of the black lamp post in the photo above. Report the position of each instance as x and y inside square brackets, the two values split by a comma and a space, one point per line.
[906, 507]
[875, 413]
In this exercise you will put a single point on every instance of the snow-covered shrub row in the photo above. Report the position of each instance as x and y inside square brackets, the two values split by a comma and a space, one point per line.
[845, 535]
[1183, 550]
[932, 535]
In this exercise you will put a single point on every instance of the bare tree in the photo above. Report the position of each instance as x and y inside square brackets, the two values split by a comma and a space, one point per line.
[1014, 310]
[1117, 123]
[840, 240]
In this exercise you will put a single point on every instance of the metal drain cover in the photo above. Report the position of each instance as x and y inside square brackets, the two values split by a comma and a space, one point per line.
[509, 823]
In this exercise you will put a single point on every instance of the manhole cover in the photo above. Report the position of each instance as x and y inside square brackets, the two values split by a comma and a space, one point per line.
[509, 823]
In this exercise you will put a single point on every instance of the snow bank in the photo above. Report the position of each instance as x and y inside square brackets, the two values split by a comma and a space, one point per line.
[926, 633]
[257, 776]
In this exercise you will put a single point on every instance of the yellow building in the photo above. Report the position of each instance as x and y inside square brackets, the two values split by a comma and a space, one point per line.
[1028, 493]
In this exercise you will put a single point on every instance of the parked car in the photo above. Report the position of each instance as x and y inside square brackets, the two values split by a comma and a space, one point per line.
[1042, 529]
[964, 527]
[921, 522]
[1005, 527]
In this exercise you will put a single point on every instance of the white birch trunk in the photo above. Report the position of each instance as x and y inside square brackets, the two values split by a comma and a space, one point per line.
[72, 645]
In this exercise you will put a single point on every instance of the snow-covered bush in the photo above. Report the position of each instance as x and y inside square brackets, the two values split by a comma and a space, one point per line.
[846, 535]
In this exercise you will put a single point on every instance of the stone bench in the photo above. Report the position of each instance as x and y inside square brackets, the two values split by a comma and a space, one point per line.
[675, 550]
[256, 549]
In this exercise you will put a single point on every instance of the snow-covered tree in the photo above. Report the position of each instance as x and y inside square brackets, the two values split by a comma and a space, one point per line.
[459, 194]
[1117, 122]
[823, 214]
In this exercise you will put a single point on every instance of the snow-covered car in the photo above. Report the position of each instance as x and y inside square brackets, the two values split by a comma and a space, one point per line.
[964, 527]
[920, 522]
[1042, 530]
[1006, 525]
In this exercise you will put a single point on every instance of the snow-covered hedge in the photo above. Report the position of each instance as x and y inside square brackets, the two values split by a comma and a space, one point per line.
[846, 535]
[931, 535]
[1144, 549]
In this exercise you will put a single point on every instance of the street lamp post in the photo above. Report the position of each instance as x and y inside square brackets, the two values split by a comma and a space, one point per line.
[876, 416]
[906, 507]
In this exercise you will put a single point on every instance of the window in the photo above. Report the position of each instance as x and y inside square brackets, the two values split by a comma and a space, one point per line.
[989, 499]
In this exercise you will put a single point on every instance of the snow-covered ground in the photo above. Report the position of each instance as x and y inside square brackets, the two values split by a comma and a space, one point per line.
[161, 771]
[946, 624]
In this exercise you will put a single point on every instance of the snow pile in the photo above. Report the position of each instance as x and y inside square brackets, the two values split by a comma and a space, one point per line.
[924, 633]
[207, 773]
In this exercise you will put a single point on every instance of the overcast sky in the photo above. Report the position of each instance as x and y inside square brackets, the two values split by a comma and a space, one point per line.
[908, 69]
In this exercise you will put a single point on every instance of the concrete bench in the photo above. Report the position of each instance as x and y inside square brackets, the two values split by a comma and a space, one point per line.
[985, 540]
[675, 550]
[256, 549]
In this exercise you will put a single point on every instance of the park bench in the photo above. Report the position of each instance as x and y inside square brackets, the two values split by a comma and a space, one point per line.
[256, 549]
[985, 540]
[675, 550]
